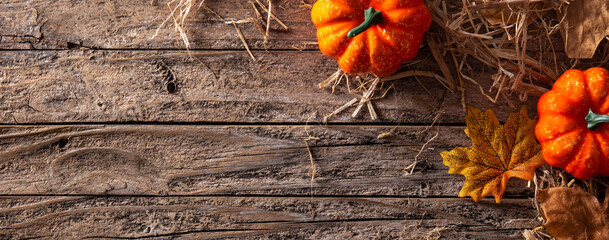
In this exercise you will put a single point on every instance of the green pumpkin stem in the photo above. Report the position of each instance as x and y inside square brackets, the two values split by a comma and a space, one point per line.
[371, 17]
[594, 119]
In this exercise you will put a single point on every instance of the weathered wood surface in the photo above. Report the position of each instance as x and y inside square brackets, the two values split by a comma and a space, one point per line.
[97, 147]
[131, 24]
[260, 217]
[236, 160]
[359, 190]
[128, 86]
[116, 24]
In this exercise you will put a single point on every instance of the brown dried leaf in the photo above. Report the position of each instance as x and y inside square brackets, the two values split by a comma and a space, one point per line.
[573, 214]
[586, 23]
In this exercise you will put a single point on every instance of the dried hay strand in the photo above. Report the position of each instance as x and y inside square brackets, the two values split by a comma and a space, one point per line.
[462, 35]
[365, 87]
[414, 231]
[179, 13]
[180, 10]
[468, 35]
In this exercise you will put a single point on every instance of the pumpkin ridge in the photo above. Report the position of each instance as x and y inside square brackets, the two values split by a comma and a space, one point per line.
[562, 134]
[337, 21]
[387, 41]
[362, 62]
[558, 135]
[366, 43]
[412, 12]
[575, 151]
[349, 12]
[369, 33]
[393, 25]
[417, 39]
[337, 47]
[341, 51]
[585, 80]
[578, 160]
[379, 5]
[341, 5]
[604, 168]
[569, 90]
[572, 103]
[382, 67]
[596, 102]
[559, 162]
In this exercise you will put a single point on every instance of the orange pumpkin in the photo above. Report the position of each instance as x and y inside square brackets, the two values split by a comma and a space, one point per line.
[571, 126]
[370, 36]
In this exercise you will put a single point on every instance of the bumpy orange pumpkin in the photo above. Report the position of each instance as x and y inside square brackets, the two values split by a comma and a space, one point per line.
[571, 126]
[370, 36]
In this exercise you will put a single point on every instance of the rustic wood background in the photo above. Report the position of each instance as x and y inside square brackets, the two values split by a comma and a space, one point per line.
[92, 145]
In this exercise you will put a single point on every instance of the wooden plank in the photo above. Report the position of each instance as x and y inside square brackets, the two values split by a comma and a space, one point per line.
[225, 86]
[255, 217]
[221, 160]
[117, 24]
[120, 24]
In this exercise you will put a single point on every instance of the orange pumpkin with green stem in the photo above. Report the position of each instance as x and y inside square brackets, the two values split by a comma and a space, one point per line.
[570, 127]
[370, 36]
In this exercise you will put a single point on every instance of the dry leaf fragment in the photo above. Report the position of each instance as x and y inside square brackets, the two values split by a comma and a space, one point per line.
[497, 153]
[573, 214]
[586, 23]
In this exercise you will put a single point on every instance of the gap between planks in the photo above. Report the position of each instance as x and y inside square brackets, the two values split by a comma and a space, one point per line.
[184, 51]
[236, 124]
[490, 199]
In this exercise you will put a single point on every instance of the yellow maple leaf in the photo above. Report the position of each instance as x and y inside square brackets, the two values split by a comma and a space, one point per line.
[497, 153]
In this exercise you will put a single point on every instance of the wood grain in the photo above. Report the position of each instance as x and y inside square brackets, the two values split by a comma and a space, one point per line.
[129, 86]
[229, 160]
[103, 147]
[117, 24]
[261, 217]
